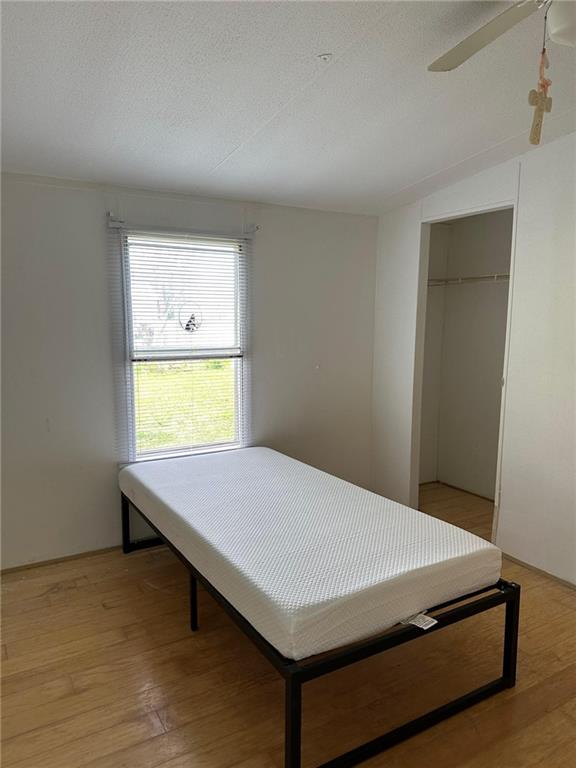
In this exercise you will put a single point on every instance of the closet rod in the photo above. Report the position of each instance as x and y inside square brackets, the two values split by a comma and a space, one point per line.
[476, 279]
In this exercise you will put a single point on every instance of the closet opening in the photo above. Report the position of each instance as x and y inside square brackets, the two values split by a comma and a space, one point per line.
[466, 322]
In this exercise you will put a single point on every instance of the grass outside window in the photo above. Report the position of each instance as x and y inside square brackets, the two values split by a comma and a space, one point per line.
[184, 404]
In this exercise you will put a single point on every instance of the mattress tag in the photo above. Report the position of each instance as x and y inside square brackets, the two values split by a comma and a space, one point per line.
[421, 620]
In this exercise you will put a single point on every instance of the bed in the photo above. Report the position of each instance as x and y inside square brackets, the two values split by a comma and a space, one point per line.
[318, 572]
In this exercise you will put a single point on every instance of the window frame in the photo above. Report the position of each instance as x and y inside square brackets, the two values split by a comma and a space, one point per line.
[237, 353]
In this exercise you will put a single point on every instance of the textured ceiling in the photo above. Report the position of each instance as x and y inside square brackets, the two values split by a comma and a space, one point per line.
[229, 99]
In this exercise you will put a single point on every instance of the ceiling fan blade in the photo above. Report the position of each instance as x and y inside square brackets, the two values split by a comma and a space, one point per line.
[484, 36]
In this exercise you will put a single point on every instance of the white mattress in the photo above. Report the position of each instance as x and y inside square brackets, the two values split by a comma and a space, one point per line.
[311, 561]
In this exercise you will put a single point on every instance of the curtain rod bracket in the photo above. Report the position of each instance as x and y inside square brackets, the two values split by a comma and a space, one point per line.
[113, 221]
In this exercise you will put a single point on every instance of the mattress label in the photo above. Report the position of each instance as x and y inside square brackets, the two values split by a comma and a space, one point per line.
[421, 620]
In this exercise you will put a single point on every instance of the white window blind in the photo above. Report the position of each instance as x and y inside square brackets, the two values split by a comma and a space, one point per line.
[185, 341]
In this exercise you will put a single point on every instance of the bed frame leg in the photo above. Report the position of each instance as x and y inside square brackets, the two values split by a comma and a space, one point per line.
[193, 602]
[293, 723]
[512, 623]
[125, 525]
[127, 544]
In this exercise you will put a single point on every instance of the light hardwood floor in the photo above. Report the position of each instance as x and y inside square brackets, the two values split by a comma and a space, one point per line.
[465, 510]
[100, 670]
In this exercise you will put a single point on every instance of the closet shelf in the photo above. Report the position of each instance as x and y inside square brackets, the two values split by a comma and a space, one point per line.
[475, 279]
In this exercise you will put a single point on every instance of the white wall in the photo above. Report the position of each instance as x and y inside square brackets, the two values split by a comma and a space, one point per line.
[397, 293]
[464, 354]
[432, 371]
[537, 504]
[313, 285]
[313, 319]
[537, 521]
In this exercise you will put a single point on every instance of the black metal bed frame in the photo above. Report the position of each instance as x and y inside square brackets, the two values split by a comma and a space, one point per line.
[295, 673]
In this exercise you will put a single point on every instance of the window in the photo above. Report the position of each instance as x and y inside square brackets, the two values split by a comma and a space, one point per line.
[184, 311]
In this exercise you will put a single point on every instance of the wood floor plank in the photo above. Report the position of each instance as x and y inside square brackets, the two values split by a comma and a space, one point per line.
[106, 615]
[560, 756]
[527, 746]
[160, 676]
[121, 735]
[479, 738]
[119, 725]
[17, 704]
[18, 607]
[63, 651]
[100, 670]
[140, 645]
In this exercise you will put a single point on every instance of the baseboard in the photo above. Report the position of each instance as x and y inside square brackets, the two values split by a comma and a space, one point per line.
[56, 560]
[539, 570]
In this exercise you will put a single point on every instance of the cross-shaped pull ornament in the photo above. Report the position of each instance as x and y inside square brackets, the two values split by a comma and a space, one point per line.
[541, 104]
[538, 98]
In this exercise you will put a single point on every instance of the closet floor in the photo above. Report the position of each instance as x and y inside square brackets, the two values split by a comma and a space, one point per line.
[466, 510]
